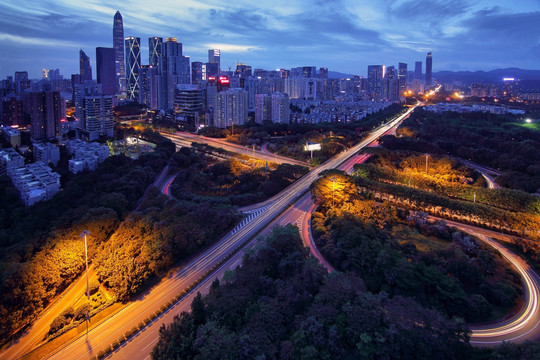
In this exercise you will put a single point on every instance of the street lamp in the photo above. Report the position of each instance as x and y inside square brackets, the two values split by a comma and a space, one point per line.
[333, 179]
[83, 234]
[427, 155]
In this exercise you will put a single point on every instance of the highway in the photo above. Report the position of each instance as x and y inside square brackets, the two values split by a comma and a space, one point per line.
[185, 139]
[100, 336]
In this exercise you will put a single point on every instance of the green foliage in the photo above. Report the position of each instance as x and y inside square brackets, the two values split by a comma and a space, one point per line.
[281, 304]
[496, 141]
[464, 278]
[445, 177]
[41, 252]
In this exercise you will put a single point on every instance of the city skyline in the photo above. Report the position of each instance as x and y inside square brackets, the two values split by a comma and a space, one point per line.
[343, 36]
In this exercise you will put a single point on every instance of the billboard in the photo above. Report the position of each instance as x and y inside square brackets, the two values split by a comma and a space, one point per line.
[312, 147]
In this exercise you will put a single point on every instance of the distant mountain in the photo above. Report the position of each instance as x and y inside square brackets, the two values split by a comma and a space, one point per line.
[486, 77]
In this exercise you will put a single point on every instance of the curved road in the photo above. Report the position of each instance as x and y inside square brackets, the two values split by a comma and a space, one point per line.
[100, 336]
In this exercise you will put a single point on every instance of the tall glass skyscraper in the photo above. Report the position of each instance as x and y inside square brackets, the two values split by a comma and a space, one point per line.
[214, 57]
[429, 69]
[118, 45]
[155, 50]
[84, 66]
[133, 63]
[105, 70]
[402, 78]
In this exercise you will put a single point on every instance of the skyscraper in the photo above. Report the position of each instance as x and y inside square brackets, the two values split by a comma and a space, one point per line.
[172, 63]
[375, 81]
[155, 51]
[402, 78]
[417, 70]
[46, 110]
[106, 69]
[214, 57]
[323, 73]
[84, 66]
[118, 45]
[429, 69]
[133, 64]
[148, 93]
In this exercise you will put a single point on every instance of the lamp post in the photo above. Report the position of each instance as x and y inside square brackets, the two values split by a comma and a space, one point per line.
[83, 234]
[333, 179]
[427, 156]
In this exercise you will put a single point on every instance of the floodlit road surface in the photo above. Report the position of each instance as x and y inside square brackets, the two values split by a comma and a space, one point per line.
[185, 139]
[36, 333]
[526, 324]
[104, 334]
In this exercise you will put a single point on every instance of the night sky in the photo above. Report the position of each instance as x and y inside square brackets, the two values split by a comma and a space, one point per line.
[343, 35]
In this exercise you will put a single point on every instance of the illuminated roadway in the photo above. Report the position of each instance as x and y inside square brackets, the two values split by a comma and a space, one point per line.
[185, 139]
[102, 335]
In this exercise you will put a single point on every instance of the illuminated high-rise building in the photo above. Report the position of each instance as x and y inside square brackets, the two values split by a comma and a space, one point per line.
[323, 73]
[402, 78]
[214, 57]
[280, 108]
[106, 70]
[84, 67]
[173, 72]
[429, 70]
[148, 93]
[118, 45]
[155, 51]
[133, 64]
[375, 81]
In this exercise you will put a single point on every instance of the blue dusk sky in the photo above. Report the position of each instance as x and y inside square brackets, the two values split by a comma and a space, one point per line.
[343, 35]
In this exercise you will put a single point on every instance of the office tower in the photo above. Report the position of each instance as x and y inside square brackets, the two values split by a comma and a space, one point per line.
[84, 66]
[133, 67]
[47, 108]
[175, 69]
[429, 69]
[417, 70]
[106, 69]
[375, 81]
[309, 71]
[323, 73]
[188, 103]
[118, 45]
[155, 51]
[214, 57]
[402, 78]
[75, 80]
[280, 108]
[390, 84]
[231, 107]
[211, 69]
[253, 86]
[263, 108]
[185, 71]
[148, 93]
[196, 72]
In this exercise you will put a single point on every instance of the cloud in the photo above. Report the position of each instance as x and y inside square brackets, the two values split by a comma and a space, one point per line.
[43, 42]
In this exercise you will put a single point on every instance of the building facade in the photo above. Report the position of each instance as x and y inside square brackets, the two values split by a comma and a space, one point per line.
[106, 70]
[118, 45]
[133, 65]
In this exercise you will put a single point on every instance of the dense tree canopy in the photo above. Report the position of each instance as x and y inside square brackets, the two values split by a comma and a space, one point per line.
[282, 305]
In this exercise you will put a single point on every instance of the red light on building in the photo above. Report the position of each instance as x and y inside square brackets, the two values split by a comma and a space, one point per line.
[211, 78]
[63, 120]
